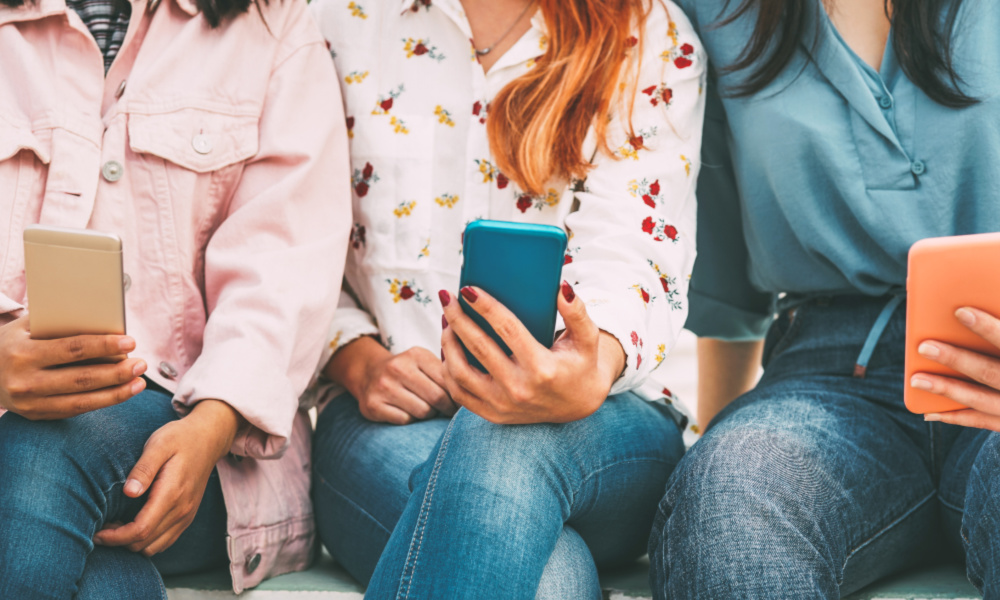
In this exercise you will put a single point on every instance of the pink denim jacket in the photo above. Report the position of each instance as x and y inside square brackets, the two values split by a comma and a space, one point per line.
[220, 158]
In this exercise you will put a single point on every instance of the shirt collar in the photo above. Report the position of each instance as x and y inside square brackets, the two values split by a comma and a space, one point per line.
[39, 9]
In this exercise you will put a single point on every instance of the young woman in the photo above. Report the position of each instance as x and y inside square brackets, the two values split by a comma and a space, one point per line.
[577, 114]
[847, 131]
[208, 134]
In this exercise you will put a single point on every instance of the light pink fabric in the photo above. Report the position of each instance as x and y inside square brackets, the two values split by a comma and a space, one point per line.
[233, 207]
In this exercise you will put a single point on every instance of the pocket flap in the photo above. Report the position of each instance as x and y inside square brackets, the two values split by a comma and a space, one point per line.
[15, 139]
[195, 139]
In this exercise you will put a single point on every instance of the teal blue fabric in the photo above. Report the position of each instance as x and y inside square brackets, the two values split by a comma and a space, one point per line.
[820, 183]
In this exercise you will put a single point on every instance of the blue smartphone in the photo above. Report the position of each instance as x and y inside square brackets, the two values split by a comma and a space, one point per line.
[520, 265]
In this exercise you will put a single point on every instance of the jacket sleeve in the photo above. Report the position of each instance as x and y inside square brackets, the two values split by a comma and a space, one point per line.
[724, 304]
[273, 269]
[632, 243]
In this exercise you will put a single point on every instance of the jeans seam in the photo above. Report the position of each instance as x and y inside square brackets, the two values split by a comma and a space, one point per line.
[357, 506]
[606, 467]
[878, 534]
[947, 504]
[416, 542]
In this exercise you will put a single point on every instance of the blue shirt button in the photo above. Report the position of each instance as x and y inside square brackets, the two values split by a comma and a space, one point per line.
[918, 167]
[885, 102]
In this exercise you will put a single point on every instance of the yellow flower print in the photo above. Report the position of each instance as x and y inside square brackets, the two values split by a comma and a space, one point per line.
[635, 143]
[443, 116]
[687, 165]
[336, 340]
[661, 353]
[398, 126]
[405, 209]
[695, 429]
[357, 10]
[406, 289]
[355, 77]
[446, 200]
[487, 169]
[672, 32]
[426, 250]
[543, 42]
[420, 47]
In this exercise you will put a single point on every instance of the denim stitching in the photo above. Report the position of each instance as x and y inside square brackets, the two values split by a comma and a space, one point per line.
[947, 504]
[364, 512]
[611, 466]
[880, 532]
[410, 567]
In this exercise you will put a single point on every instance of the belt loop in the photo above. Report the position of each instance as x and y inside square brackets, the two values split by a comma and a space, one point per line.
[861, 366]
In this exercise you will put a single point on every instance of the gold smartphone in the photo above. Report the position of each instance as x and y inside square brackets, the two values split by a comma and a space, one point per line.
[75, 282]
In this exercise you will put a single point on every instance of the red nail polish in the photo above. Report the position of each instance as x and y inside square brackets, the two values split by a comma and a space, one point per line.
[445, 298]
[567, 292]
[469, 294]
[444, 322]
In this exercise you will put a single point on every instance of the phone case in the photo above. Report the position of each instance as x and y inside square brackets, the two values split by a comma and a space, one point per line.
[946, 274]
[521, 266]
[75, 282]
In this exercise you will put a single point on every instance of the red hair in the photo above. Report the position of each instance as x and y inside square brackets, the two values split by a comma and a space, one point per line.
[538, 122]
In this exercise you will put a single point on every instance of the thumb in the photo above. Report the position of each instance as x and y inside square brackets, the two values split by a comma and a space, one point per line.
[141, 476]
[574, 314]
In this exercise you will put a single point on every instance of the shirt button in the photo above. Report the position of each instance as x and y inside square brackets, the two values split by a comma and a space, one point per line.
[201, 144]
[112, 170]
[120, 90]
[252, 563]
[885, 102]
[152, 5]
[918, 167]
[167, 370]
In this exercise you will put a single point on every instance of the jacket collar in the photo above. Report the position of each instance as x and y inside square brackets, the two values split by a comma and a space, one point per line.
[39, 9]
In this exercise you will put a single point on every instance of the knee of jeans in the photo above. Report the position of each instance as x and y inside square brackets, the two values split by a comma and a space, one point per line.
[570, 571]
[982, 515]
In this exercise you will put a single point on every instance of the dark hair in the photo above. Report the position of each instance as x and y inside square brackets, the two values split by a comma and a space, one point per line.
[215, 11]
[921, 39]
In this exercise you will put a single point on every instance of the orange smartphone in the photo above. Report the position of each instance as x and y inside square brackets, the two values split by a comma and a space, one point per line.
[946, 274]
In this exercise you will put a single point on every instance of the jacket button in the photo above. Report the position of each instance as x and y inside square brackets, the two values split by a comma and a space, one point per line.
[112, 171]
[885, 102]
[201, 144]
[918, 167]
[167, 370]
[252, 563]
[120, 90]
[126, 282]
[152, 5]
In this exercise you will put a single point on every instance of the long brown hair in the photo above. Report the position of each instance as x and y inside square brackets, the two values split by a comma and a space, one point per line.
[921, 39]
[538, 122]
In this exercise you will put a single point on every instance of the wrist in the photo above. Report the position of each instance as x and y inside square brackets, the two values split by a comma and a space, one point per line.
[352, 366]
[220, 423]
[610, 357]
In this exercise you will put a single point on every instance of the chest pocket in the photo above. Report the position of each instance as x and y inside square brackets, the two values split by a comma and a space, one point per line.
[23, 156]
[391, 181]
[198, 140]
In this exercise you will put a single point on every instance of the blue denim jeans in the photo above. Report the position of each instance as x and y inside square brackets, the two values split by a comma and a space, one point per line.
[61, 481]
[817, 483]
[463, 508]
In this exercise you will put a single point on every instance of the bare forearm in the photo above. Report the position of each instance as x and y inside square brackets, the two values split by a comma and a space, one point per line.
[726, 370]
[349, 365]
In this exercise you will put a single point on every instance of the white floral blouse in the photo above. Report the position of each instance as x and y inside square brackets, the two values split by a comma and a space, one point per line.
[417, 101]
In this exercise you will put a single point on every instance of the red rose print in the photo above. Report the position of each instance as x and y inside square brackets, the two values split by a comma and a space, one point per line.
[361, 189]
[647, 225]
[648, 200]
[567, 259]
[649, 91]
[670, 231]
[406, 292]
[654, 188]
[420, 50]
[687, 49]
[636, 141]
[666, 392]
[635, 339]
[666, 286]
[667, 95]
[502, 181]
[328, 46]
[632, 42]
[366, 173]
[350, 123]
[638, 361]
[477, 107]
[524, 203]
[645, 295]
[682, 62]
[387, 104]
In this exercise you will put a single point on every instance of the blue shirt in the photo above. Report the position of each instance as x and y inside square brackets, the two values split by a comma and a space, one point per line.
[821, 182]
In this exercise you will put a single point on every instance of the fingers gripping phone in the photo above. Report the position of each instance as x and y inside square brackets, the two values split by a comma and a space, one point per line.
[946, 274]
[75, 282]
[520, 265]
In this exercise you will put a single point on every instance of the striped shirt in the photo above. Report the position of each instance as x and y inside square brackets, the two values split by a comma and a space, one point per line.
[107, 21]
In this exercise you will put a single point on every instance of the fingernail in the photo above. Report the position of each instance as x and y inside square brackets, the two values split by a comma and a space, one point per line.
[965, 317]
[445, 298]
[138, 386]
[126, 344]
[567, 292]
[469, 294]
[920, 383]
[932, 417]
[139, 368]
[929, 350]
[133, 487]
[444, 322]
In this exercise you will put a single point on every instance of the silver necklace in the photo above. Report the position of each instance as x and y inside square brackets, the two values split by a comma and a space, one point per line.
[487, 49]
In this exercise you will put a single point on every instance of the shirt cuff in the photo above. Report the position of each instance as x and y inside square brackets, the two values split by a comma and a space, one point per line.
[712, 318]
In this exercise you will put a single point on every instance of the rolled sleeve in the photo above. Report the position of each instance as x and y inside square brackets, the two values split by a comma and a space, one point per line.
[273, 269]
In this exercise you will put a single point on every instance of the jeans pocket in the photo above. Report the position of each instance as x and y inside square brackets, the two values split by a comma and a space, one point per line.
[781, 333]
